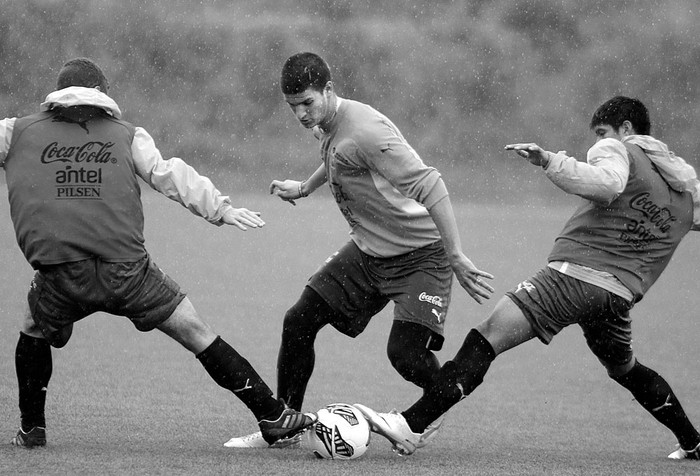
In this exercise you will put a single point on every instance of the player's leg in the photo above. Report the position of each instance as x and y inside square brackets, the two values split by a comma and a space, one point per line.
[537, 307]
[295, 362]
[233, 372]
[34, 365]
[504, 329]
[151, 299]
[609, 336]
[650, 390]
[48, 321]
[226, 366]
[297, 357]
[420, 284]
[335, 295]
[410, 353]
[340, 294]
[656, 396]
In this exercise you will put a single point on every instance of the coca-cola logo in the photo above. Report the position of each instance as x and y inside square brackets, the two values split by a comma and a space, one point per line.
[659, 216]
[434, 300]
[90, 152]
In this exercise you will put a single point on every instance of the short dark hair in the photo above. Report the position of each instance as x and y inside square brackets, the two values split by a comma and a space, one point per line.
[303, 71]
[619, 109]
[81, 72]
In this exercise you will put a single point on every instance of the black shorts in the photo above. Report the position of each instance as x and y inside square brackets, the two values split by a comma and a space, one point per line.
[63, 294]
[358, 286]
[551, 300]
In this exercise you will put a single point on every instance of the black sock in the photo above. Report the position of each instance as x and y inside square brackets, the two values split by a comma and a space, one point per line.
[34, 366]
[296, 358]
[656, 396]
[295, 364]
[455, 380]
[232, 372]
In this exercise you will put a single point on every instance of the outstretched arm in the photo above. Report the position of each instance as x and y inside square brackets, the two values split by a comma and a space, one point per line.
[601, 179]
[180, 182]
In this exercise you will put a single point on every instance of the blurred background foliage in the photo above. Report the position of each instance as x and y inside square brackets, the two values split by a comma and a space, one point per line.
[460, 78]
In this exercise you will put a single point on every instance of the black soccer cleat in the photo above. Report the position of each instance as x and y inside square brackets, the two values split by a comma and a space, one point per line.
[30, 439]
[287, 425]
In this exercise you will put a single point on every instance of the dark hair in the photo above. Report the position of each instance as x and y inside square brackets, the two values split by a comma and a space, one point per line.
[81, 72]
[303, 71]
[619, 109]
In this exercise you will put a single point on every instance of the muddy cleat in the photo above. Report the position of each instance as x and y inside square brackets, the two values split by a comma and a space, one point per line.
[393, 427]
[256, 440]
[680, 453]
[34, 437]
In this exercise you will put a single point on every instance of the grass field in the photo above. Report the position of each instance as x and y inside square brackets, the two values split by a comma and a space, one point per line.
[122, 402]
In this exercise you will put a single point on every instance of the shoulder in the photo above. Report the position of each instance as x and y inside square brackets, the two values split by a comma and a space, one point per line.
[610, 144]
[128, 125]
[360, 123]
[24, 122]
[608, 148]
[367, 125]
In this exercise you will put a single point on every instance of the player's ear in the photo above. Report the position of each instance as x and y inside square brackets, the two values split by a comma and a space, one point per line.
[328, 88]
[627, 128]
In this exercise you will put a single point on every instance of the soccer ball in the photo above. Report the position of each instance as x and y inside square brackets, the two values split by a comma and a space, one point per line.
[341, 432]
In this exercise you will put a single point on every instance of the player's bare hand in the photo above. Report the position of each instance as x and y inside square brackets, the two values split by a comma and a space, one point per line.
[472, 279]
[530, 151]
[287, 190]
[242, 218]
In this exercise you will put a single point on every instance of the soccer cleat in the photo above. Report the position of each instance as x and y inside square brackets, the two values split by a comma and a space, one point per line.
[287, 425]
[430, 432]
[393, 427]
[680, 453]
[34, 437]
[256, 440]
[283, 432]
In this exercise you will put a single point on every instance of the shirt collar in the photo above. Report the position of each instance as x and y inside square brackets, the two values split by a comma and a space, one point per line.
[80, 96]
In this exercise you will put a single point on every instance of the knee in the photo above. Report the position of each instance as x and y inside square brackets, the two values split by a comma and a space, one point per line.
[29, 327]
[300, 323]
[401, 356]
[292, 319]
[618, 372]
[415, 365]
[186, 327]
[307, 316]
[57, 338]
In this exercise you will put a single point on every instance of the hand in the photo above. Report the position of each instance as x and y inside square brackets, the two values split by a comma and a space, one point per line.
[470, 278]
[242, 217]
[288, 190]
[532, 152]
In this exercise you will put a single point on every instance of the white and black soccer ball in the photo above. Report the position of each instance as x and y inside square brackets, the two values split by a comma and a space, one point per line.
[341, 432]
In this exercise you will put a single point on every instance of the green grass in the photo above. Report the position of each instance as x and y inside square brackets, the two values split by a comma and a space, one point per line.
[122, 402]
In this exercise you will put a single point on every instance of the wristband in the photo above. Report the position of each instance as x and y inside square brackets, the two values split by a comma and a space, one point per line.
[301, 193]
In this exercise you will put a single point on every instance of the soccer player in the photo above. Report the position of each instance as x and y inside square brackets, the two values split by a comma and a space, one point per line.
[75, 203]
[404, 244]
[608, 255]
